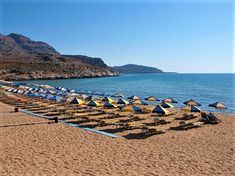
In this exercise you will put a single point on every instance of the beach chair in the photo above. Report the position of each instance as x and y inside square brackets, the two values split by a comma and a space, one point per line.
[159, 121]
[209, 118]
[188, 125]
[187, 116]
[150, 131]
[128, 126]
[102, 123]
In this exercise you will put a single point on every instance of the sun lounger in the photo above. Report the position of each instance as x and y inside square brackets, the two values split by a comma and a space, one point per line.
[151, 131]
[209, 118]
[188, 125]
[187, 117]
[159, 121]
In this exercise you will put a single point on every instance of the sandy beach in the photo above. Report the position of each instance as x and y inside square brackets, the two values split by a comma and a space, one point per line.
[117, 88]
[31, 146]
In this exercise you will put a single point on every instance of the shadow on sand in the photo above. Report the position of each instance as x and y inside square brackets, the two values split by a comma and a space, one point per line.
[26, 124]
[137, 136]
[113, 130]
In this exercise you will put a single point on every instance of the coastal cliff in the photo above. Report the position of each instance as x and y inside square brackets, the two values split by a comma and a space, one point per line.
[24, 59]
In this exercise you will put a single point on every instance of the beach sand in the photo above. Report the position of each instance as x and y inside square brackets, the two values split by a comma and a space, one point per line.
[31, 146]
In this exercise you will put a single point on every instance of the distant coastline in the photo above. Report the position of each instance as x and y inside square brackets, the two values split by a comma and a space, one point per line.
[134, 68]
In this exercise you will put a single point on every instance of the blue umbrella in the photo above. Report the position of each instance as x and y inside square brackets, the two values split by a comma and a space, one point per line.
[48, 96]
[57, 98]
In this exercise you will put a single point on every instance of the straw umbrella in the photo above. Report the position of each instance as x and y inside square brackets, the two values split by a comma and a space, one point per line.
[191, 109]
[133, 97]
[131, 108]
[152, 98]
[139, 102]
[192, 103]
[170, 100]
[218, 105]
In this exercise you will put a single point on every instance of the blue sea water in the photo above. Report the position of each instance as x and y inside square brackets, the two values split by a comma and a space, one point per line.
[204, 88]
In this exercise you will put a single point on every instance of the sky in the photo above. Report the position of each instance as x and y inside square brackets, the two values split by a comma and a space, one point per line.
[175, 36]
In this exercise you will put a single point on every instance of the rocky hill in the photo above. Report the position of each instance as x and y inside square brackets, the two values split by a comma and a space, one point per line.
[132, 68]
[89, 60]
[22, 58]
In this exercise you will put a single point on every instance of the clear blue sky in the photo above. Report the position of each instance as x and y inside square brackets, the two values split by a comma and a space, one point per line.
[172, 35]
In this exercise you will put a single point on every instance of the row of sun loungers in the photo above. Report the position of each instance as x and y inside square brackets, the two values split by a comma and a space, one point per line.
[97, 117]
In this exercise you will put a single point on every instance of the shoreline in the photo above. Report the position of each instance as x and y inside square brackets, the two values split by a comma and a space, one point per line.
[231, 111]
[60, 78]
[116, 75]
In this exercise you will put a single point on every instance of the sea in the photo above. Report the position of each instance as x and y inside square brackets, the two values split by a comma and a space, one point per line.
[204, 88]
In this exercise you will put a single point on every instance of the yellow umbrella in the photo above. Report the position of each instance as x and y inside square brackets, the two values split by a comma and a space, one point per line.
[108, 99]
[93, 103]
[122, 101]
[77, 101]
[166, 105]
[109, 105]
[160, 110]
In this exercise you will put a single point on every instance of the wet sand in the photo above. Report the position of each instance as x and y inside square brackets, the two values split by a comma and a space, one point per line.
[31, 146]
